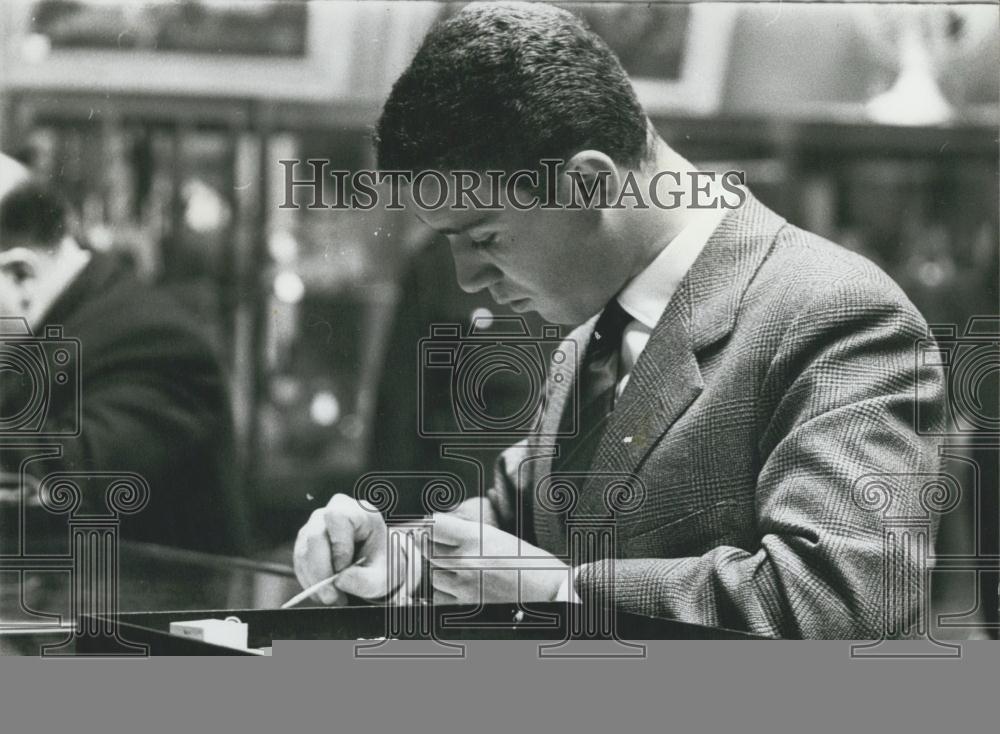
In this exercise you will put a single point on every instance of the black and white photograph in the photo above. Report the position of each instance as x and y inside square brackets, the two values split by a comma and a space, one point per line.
[424, 324]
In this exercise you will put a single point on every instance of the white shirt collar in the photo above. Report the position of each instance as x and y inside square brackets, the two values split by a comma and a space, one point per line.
[646, 296]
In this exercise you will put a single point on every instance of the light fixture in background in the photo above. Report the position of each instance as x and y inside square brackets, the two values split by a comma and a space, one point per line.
[205, 211]
[324, 408]
[920, 40]
[482, 318]
[283, 247]
[288, 287]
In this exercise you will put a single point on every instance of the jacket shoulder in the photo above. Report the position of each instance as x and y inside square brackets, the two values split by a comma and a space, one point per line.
[133, 322]
[806, 274]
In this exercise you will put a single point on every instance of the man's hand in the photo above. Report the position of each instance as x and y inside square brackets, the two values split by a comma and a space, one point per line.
[457, 556]
[334, 537]
[476, 508]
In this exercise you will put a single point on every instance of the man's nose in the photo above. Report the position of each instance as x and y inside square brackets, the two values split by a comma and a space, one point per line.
[472, 272]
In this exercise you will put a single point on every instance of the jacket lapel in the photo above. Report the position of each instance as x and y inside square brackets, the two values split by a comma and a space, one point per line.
[562, 390]
[666, 379]
[664, 382]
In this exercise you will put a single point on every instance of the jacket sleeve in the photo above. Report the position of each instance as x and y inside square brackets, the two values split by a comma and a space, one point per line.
[145, 419]
[154, 400]
[847, 384]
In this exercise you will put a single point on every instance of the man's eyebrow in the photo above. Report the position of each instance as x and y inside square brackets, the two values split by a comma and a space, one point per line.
[465, 228]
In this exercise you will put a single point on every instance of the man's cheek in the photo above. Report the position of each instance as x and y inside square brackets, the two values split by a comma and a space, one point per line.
[8, 296]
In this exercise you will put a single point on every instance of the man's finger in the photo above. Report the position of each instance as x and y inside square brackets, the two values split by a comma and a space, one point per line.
[312, 561]
[347, 526]
[311, 557]
[365, 581]
[454, 559]
[444, 550]
[476, 509]
[446, 581]
[449, 529]
[408, 562]
[442, 597]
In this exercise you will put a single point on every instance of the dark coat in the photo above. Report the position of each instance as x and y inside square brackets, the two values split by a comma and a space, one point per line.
[153, 401]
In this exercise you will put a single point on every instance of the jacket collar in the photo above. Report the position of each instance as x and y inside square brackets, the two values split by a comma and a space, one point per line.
[719, 279]
[666, 379]
[97, 277]
[646, 296]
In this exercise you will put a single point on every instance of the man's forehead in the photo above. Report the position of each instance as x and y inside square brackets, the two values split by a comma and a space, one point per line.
[12, 173]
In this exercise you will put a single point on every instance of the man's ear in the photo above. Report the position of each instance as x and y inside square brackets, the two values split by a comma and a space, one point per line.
[20, 264]
[590, 176]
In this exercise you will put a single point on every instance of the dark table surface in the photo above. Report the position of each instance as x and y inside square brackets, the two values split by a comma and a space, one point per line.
[35, 601]
[159, 579]
[150, 578]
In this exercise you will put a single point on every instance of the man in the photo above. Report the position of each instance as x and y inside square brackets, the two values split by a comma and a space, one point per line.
[152, 396]
[762, 372]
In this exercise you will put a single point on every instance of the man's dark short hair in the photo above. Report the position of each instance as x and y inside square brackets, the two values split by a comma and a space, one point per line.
[503, 86]
[33, 214]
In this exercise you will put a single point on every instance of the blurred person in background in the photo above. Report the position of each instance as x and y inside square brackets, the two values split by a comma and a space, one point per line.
[153, 397]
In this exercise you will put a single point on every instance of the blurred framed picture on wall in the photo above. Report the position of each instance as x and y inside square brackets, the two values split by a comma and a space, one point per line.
[246, 29]
[676, 54]
[293, 50]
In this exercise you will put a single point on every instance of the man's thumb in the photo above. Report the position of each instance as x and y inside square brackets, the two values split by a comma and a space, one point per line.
[367, 582]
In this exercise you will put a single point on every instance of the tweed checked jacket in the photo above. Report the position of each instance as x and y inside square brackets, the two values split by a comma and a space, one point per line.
[780, 374]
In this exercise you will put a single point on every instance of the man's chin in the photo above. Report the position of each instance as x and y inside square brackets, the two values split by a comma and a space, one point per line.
[553, 314]
[568, 321]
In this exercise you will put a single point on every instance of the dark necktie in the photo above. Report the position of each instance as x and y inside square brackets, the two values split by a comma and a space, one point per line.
[598, 378]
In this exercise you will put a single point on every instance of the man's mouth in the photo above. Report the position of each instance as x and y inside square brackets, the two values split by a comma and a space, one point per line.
[514, 303]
